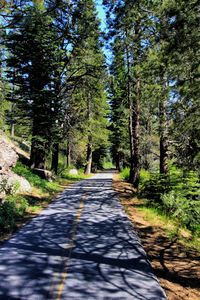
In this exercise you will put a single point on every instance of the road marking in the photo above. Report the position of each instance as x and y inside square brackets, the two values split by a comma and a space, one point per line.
[71, 246]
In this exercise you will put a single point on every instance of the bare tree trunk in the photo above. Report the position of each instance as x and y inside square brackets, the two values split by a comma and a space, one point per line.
[135, 133]
[88, 167]
[68, 155]
[38, 150]
[55, 158]
[163, 133]
[37, 158]
[134, 113]
[130, 103]
[12, 129]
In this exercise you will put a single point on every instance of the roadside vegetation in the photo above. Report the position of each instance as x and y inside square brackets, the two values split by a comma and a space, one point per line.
[173, 200]
[16, 209]
[172, 249]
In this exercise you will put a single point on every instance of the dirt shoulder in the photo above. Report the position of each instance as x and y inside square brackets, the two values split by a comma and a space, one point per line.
[177, 267]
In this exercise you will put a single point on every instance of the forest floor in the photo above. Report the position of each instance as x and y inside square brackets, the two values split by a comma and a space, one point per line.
[176, 265]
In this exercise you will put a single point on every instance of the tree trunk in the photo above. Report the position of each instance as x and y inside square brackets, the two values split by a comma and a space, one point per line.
[68, 155]
[88, 166]
[12, 129]
[136, 125]
[163, 133]
[118, 162]
[38, 149]
[55, 158]
[134, 100]
[37, 158]
[130, 103]
[135, 157]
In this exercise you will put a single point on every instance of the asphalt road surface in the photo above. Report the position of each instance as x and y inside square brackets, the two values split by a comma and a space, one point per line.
[81, 247]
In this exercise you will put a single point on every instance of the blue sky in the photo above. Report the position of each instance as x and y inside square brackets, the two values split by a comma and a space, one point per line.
[101, 13]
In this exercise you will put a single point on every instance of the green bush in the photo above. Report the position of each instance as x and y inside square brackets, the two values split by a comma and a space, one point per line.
[187, 212]
[125, 173]
[12, 208]
[144, 177]
[177, 194]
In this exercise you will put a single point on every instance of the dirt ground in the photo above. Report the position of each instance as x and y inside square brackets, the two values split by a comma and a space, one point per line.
[177, 268]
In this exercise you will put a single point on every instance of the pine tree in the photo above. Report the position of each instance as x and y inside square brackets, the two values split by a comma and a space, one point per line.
[33, 58]
[119, 107]
[87, 79]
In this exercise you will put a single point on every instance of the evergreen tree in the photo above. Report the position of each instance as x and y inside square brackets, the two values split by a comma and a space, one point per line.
[33, 57]
[86, 76]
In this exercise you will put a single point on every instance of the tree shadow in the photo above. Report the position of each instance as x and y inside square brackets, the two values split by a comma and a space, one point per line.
[84, 236]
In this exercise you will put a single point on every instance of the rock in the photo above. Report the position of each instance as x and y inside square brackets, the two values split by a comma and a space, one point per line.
[73, 172]
[13, 183]
[9, 181]
[8, 156]
[44, 174]
[20, 184]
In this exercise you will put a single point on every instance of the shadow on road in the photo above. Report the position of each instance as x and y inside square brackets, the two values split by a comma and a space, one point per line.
[98, 253]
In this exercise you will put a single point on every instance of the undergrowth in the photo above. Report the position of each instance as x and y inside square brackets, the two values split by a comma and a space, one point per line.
[176, 195]
[16, 206]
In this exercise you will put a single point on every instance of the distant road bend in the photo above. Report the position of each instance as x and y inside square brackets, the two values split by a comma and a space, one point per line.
[81, 247]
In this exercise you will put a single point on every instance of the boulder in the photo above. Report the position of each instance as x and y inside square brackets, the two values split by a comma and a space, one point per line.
[73, 172]
[13, 183]
[44, 174]
[8, 155]
[20, 184]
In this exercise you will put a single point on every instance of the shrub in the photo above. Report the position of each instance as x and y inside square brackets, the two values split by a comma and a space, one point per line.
[125, 173]
[177, 194]
[12, 208]
[144, 177]
[187, 212]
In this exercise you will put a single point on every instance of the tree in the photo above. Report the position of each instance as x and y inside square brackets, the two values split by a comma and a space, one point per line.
[34, 57]
[129, 26]
[87, 103]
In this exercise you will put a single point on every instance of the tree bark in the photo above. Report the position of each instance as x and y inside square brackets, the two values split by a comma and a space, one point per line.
[136, 124]
[163, 133]
[68, 155]
[38, 149]
[37, 158]
[130, 103]
[12, 129]
[134, 114]
[88, 166]
[55, 158]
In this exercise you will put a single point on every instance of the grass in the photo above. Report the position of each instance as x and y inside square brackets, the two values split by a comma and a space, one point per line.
[171, 227]
[66, 175]
[155, 216]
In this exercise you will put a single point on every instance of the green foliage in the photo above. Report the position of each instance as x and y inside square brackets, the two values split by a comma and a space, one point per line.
[125, 173]
[186, 211]
[108, 165]
[177, 194]
[35, 180]
[144, 177]
[11, 209]
[65, 174]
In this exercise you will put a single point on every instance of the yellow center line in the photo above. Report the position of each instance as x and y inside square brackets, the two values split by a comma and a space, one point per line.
[73, 238]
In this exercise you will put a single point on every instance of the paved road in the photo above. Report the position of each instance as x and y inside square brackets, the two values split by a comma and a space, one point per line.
[81, 247]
